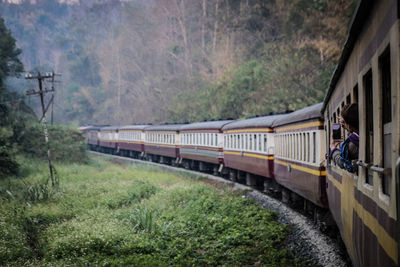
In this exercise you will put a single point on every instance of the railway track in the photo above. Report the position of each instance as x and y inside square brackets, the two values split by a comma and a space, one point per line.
[305, 240]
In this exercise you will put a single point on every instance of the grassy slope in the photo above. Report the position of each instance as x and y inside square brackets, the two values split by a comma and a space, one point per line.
[109, 214]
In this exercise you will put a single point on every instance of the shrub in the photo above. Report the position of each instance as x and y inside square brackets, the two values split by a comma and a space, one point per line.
[66, 144]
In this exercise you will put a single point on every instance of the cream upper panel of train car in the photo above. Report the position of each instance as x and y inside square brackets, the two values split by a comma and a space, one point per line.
[299, 136]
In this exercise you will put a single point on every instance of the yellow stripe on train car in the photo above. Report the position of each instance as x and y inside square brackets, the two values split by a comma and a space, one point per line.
[301, 168]
[388, 244]
[247, 154]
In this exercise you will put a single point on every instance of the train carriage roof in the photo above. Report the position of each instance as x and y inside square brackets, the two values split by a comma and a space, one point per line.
[164, 127]
[134, 127]
[258, 122]
[206, 125]
[109, 128]
[95, 127]
[360, 17]
[304, 114]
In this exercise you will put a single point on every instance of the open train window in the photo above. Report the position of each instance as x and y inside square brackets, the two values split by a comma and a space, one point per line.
[348, 99]
[314, 144]
[385, 80]
[308, 147]
[265, 143]
[355, 94]
[235, 144]
[369, 125]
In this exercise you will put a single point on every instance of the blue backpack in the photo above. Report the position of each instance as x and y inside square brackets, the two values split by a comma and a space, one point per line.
[345, 157]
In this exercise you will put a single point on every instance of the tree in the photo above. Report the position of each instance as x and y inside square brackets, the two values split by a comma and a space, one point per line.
[10, 65]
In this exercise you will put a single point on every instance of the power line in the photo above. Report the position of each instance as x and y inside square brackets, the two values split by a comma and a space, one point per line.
[41, 93]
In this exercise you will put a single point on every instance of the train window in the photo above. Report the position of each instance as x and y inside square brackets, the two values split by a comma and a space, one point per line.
[334, 117]
[314, 144]
[355, 94]
[308, 147]
[216, 139]
[348, 99]
[265, 142]
[255, 142]
[287, 145]
[225, 145]
[250, 142]
[294, 146]
[294, 143]
[303, 141]
[259, 143]
[384, 67]
[369, 130]
[299, 147]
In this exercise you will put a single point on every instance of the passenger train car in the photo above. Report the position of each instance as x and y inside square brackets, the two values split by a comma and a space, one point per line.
[108, 139]
[299, 160]
[201, 145]
[162, 143]
[288, 153]
[131, 140]
[92, 137]
[249, 149]
[365, 205]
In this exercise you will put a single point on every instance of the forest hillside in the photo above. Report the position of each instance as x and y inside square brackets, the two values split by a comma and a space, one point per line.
[156, 61]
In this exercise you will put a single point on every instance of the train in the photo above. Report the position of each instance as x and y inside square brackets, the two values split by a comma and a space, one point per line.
[288, 153]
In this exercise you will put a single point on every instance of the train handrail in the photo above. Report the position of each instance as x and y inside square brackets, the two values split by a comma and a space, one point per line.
[375, 168]
[363, 164]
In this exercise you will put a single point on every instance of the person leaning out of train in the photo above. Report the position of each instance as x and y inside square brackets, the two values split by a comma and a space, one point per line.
[344, 153]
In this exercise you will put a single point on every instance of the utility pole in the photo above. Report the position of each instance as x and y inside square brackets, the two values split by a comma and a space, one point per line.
[41, 93]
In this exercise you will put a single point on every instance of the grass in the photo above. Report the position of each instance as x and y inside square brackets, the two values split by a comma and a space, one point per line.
[107, 214]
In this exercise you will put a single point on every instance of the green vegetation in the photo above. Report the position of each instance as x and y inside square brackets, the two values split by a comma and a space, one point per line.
[107, 214]
[155, 61]
[20, 133]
